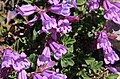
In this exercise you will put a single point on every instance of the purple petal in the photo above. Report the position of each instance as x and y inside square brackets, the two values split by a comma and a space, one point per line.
[26, 10]
[11, 15]
[22, 75]
[57, 49]
[112, 69]
[47, 22]
[93, 5]
[44, 58]
[61, 9]
[111, 11]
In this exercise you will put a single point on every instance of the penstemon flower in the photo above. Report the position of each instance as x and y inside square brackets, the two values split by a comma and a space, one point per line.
[26, 10]
[64, 26]
[44, 58]
[57, 49]
[112, 69]
[74, 3]
[14, 61]
[109, 54]
[53, 75]
[47, 22]
[111, 11]
[43, 72]
[61, 9]
[93, 5]
[103, 41]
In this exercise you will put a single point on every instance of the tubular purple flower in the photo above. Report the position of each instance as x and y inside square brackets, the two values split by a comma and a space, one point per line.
[26, 10]
[57, 49]
[54, 1]
[103, 40]
[22, 74]
[47, 22]
[61, 9]
[11, 15]
[109, 55]
[38, 76]
[112, 69]
[21, 63]
[64, 26]
[111, 11]
[53, 75]
[93, 5]
[17, 62]
[7, 58]
[44, 58]
[74, 3]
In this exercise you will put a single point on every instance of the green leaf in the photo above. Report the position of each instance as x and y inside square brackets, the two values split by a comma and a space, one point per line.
[34, 34]
[29, 1]
[33, 57]
[67, 61]
[80, 2]
[112, 76]
[89, 61]
[67, 56]
[70, 62]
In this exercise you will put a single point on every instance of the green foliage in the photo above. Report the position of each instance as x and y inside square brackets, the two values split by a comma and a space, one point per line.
[68, 42]
[67, 60]
[33, 60]
[112, 76]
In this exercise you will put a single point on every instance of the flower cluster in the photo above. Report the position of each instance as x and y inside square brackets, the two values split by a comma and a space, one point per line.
[111, 9]
[14, 61]
[52, 25]
[111, 13]
[109, 54]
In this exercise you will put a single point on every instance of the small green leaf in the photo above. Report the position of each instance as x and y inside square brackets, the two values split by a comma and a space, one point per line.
[34, 34]
[112, 76]
[89, 61]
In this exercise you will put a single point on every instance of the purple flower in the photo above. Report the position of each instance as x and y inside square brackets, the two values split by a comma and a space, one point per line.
[7, 60]
[64, 26]
[22, 74]
[38, 76]
[11, 15]
[109, 55]
[47, 22]
[61, 9]
[103, 40]
[54, 1]
[26, 10]
[112, 69]
[17, 62]
[111, 11]
[57, 49]
[74, 3]
[21, 62]
[44, 58]
[53, 75]
[93, 5]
